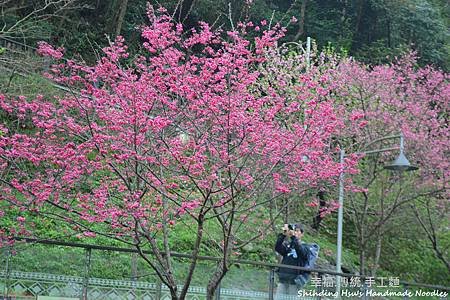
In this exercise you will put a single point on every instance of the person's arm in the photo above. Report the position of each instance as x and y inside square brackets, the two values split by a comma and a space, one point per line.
[279, 246]
[302, 250]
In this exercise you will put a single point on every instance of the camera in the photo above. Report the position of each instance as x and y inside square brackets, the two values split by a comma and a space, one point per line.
[290, 227]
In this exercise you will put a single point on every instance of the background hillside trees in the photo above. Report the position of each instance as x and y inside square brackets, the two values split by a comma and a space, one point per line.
[374, 31]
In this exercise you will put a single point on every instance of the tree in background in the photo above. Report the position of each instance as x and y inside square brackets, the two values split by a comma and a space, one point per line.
[390, 99]
[390, 28]
[32, 19]
[290, 71]
[373, 31]
[432, 215]
[173, 135]
[377, 101]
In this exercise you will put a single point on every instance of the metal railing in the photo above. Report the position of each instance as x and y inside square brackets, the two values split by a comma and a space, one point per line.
[20, 58]
[12, 44]
[86, 284]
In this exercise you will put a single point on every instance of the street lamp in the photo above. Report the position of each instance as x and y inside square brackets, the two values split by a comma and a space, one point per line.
[400, 164]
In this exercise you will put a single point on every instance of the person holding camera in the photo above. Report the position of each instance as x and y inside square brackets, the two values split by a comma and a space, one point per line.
[294, 253]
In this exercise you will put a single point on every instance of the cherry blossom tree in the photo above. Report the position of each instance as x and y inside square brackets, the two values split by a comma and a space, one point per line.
[390, 99]
[312, 77]
[174, 134]
[377, 101]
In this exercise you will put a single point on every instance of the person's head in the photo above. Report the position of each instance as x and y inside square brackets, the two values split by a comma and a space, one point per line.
[298, 229]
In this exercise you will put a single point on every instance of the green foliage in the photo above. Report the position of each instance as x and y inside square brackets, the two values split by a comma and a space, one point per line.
[378, 53]
[330, 51]
[393, 26]
[373, 31]
[13, 83]
[45, 259]
[417, 262]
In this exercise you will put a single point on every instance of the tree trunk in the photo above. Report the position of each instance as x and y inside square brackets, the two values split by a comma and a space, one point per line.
[431, 234]
[236, 10]
[121, 16]
[344, 11]
[173, 294]
[362, 261]
[194, 260]
[377, 254]
[362, 251]
[286, 211]
[318, 218]
[221, 270]
[301, 24]
[379, 235]
[359, 13]
[442, 257]
[389, 40]
[362, 238]
[183, 10]
[215, 280]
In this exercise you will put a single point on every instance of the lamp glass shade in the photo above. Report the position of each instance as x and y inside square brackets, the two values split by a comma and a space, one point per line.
[401, 164]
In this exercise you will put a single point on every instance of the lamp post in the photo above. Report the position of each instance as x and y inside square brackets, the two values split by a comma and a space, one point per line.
[400, 164]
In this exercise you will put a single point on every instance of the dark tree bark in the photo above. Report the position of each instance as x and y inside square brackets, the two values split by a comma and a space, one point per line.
[318, 218]
[183, 10]
[237, 7]
[359, 15]
[121, 16]
[286, 211]
[301, 22]
[215, 280]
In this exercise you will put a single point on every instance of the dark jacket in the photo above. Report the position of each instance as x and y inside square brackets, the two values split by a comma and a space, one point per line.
[294, 254]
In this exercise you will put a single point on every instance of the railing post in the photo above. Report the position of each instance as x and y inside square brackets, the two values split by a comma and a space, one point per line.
[86, 273]
[405, 289]
[364, 289]
[319, 285]
[308, 52]
[271, 283]
[7, 271]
